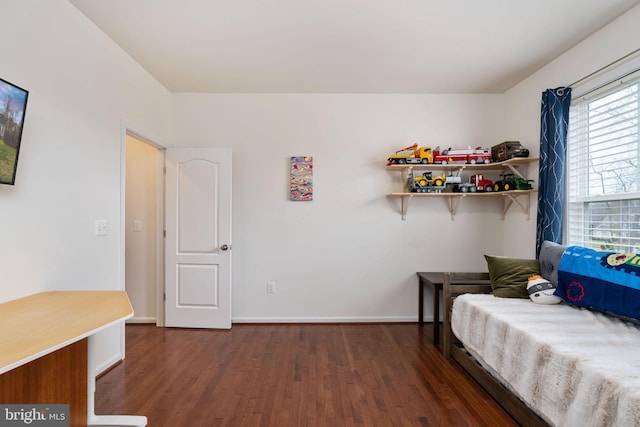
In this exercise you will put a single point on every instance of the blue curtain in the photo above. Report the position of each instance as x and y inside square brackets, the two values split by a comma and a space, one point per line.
[553, 149]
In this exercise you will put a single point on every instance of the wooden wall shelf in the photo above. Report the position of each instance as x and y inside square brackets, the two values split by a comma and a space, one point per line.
[511, 164]
[453, 200]
[518, 166]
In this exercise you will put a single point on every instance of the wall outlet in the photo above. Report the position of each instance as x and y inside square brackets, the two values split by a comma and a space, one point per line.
[271, 287]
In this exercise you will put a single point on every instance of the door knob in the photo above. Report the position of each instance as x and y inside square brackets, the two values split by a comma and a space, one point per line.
[225, 247]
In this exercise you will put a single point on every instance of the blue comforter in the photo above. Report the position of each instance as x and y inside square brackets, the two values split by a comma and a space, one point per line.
[605, 281]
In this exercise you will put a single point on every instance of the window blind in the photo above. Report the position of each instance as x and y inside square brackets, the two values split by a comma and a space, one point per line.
[603, 174]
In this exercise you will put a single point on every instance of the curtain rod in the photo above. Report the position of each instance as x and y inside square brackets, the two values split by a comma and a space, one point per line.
[607, 83]
[603, 68]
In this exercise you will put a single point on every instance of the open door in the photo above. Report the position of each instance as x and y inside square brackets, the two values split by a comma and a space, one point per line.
[198, 238]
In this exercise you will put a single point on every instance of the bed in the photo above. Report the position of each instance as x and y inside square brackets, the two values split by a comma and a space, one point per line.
[556, 365]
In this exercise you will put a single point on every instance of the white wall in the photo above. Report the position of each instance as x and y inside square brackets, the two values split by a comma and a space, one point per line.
[82, 87]
[346, 255]
[523, 102]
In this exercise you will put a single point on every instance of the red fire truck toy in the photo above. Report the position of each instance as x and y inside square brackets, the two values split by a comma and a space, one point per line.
[462, 155]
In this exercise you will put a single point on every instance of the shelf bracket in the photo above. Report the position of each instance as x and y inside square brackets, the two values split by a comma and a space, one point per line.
[509, 199]
[517, 173]
[453, 206]
[405, 206]
[457, 171]
[405, 179]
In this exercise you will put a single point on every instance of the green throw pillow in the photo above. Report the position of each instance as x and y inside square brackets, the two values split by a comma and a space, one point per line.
[509, 276]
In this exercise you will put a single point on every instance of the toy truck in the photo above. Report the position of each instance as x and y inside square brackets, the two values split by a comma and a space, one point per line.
[476, 182]
[508, 150]
[511, 182]
[411, 155]
[426, 183]
[462, 155]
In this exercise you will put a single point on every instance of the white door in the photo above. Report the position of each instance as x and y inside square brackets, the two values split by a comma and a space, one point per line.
[198, 241]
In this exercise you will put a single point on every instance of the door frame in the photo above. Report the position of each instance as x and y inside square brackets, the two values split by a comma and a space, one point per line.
[128, 129]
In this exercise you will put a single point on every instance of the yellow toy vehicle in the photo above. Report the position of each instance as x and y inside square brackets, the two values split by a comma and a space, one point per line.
[426, 179]
[410, 155]
[426, 183]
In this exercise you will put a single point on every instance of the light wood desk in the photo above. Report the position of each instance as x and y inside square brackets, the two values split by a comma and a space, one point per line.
[49, 337]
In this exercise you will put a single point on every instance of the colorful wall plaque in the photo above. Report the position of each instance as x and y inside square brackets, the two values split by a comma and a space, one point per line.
[301, 180]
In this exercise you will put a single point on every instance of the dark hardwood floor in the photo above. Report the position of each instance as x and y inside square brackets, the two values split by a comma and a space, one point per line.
[293, 375]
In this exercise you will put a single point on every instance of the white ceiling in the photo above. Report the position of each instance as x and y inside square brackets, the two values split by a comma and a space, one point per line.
[347, 46]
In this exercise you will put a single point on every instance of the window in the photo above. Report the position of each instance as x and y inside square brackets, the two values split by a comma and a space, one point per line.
[603, 174]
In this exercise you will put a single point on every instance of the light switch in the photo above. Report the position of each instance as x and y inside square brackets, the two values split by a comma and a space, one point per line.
[101, 227]
[137, 225]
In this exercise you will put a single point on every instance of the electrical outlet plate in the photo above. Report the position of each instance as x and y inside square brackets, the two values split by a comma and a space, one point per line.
[101, 227]
[271, 287]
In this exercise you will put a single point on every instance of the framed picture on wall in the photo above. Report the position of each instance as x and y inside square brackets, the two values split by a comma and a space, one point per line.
[301, 178]
[13, 105]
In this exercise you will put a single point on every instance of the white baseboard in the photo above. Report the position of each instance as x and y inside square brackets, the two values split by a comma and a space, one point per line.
[108, 364]
[142, 320]
[394, 319]
[390, 319]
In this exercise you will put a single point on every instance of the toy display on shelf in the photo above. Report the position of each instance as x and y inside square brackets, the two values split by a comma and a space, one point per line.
[477, 182]
[509, 181]
[411, 155]
[415, 154]
[508, 150]
[426, 183]
[418, 182]
[462, 155]
[426, 155]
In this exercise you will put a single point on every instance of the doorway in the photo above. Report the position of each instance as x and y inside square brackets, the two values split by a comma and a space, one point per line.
[144, 224]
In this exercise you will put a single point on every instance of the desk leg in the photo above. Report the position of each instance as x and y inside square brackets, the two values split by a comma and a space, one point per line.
[104, 420]
[436, 315]
[420, 302]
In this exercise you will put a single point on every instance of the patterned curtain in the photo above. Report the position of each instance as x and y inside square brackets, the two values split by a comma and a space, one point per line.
[553, 148]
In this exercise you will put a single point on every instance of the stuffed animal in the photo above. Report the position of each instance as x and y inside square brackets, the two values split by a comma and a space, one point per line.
[540, 291]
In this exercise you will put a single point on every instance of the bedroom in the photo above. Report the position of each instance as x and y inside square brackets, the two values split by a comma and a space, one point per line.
[84, 89]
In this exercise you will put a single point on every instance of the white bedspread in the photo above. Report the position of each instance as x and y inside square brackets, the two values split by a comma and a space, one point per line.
[573, 366]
